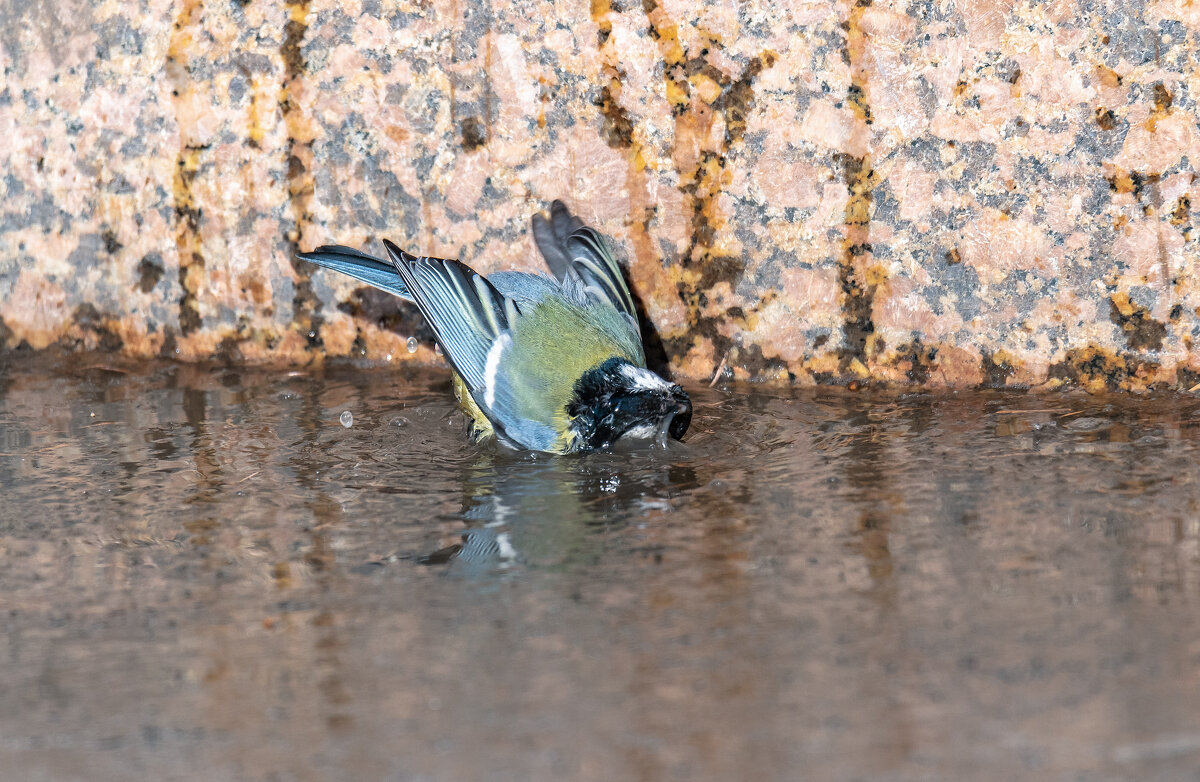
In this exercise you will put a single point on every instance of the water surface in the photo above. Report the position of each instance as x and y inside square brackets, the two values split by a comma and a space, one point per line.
[207, 575]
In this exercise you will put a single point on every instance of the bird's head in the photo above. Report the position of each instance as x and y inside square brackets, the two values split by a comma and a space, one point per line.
[620, 400]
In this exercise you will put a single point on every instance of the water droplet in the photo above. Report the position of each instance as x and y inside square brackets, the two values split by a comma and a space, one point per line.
[412, 344]
[347, 419]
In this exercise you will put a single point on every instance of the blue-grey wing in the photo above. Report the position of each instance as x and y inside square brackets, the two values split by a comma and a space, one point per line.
[592, 261]
[525, 287]
[371, 270]
[465, 311]
[582, 261]
[508, 405]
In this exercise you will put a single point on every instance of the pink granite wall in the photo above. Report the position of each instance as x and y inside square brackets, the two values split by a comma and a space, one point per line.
[937, 192]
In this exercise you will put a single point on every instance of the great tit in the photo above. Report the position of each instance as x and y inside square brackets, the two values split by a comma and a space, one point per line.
[543, 363]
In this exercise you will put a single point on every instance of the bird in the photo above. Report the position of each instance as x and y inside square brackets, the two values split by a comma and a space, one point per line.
[548, 363]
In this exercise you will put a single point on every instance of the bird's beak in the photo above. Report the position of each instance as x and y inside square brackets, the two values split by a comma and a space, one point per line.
[678, 420]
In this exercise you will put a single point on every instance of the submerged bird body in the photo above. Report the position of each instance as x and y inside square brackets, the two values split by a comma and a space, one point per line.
[548, 364]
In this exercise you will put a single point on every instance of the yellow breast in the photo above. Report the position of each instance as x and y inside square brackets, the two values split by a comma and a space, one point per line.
[481, 427]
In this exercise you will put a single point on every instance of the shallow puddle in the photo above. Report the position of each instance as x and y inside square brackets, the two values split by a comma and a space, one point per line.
[218, 574]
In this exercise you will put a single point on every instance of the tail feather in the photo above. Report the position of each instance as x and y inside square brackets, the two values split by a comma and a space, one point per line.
[551, 237]
[466, 311]
[593, 262]
[361, 266]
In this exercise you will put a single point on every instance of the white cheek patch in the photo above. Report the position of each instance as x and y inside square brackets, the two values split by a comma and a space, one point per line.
[643, 432]
[644, 379]
[493, 366]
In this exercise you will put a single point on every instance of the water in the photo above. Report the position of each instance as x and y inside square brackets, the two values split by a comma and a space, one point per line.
[206, 575]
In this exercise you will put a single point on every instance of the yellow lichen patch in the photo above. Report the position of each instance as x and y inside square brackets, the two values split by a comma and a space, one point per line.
[256, 131]
[666, 32]
[1121, 301]
[705, 88]
[1121, 181]
[298, 12]
[876, 274]
[701, 361]
[1004, 357]
[677, 92]
[301, 130]
[134, 340]
[1108, 77]
[600, 10]
[181, 41]
[639, 159]
[1093, 368]
[1162, 106]
[683, 275]
[1181, 215]
[188, 241]
[197, 346]
[822, 363]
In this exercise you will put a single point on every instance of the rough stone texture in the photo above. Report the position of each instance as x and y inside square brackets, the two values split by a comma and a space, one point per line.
[939, 193]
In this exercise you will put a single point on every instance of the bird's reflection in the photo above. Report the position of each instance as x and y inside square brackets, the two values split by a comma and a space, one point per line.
[556, 512]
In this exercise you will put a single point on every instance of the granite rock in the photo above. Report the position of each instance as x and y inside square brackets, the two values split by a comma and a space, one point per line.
[925, 192]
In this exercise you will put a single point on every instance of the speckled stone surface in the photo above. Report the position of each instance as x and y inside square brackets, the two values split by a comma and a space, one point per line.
[937, 193]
